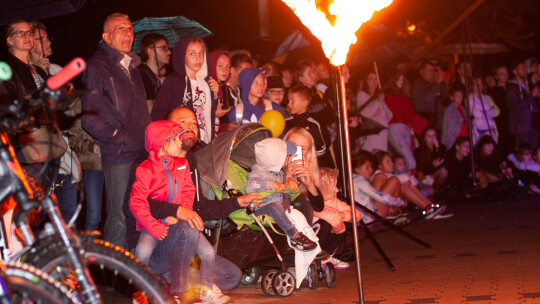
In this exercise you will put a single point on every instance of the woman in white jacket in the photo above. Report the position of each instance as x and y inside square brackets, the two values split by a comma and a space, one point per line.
[483, 110]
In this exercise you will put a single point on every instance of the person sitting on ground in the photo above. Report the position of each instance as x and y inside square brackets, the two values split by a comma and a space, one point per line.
[272, 155]
[253, 83]
[491, 168]
[526, 168]
[299, 101]
[385, 167]
[275, 92]
[430, 159]
[190, 85]
[401, 171]
[454, 119]
[458, 165]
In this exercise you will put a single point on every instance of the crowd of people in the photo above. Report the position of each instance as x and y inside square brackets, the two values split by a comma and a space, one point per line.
[137, 135]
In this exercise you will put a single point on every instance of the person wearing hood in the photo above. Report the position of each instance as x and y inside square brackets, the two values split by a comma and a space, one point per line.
[271, 155]
[253, 84]
[190, 85]
[220, 69]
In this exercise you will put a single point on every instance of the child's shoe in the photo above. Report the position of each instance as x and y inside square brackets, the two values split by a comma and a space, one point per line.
[301, 242]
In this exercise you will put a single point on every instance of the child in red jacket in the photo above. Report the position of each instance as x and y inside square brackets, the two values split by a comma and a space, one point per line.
[164, 176]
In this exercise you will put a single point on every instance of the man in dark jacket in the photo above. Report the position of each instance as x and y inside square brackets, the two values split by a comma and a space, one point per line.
[116, 116]
[170, 254]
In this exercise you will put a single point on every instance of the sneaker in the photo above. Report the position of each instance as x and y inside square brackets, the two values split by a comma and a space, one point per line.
[401, 220]
[214, 296]
[301, 242]
[443, 215]
[432, 210]
[338, 264]
[395, 215]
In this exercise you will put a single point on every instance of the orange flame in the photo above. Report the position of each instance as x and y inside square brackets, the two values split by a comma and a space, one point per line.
[349, 16]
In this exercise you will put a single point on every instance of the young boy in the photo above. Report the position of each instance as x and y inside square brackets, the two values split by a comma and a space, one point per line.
[267, 176]
[454, 119]
[299, 100]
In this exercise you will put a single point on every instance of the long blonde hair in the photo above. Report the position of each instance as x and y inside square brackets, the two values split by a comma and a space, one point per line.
[311, 157]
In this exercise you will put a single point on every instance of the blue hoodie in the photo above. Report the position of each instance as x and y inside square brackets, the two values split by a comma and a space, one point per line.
[251, 113]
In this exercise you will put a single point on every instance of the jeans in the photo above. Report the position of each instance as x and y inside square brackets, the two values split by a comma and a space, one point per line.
[66, 195]
[275, 210]
[226, 275]
[93, 188]
[174, 254]
[208, 261]
[145, 247]
[116, 179]
[400, 139]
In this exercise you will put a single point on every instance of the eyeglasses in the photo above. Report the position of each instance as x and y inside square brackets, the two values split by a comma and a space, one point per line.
[20, 34]
[45, 39]
[165, 48]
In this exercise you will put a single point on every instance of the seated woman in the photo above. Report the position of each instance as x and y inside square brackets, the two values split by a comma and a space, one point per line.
[526, 168]
[491, 168]
[430, 160]
[307, 172]
[383, 174]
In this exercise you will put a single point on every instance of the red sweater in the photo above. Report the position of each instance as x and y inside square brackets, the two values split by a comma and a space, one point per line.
[403, 112]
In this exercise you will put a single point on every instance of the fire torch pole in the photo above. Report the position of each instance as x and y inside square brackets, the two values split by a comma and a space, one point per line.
[346, 155]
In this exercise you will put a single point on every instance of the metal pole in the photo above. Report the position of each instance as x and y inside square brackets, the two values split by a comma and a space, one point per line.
[350, 184]
[336, 81]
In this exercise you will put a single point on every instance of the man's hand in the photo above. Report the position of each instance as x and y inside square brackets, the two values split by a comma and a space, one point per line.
[245, 200]
[190, 216]
[162, 237]
[44, 63]
[278, 187]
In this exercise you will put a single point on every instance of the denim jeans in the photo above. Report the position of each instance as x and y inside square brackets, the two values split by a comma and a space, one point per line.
[66, 195]
[208, 261]
[174, 254]
[116, 179]
[275, 210]
[93, 189]
[226, 275]
[145, 247]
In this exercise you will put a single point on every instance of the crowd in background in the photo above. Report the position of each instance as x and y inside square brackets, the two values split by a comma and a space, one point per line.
[411, 142]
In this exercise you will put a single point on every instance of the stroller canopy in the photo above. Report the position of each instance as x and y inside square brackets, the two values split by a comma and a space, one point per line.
[236, 145]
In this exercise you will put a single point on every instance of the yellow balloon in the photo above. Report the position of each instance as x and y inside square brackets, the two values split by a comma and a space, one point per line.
[274, 121]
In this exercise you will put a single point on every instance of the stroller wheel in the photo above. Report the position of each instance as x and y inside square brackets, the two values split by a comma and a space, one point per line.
[330, 273]
[313, 277]
[251, 276]
[266, 282]
[283, 283]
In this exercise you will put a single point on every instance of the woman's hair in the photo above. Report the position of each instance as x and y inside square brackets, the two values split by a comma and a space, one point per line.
[379, 156]
[10, 28]
[311, 157]
[424, 133]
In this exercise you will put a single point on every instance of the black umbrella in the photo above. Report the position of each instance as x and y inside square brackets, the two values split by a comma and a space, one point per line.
[367, 127]
[37, 9]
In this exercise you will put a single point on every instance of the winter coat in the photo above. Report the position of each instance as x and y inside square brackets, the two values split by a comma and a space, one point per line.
[163, 178]
[452, 123]
[117, 114]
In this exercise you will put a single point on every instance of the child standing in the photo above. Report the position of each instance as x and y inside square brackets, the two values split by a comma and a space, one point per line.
[267, 176]
[454, 119]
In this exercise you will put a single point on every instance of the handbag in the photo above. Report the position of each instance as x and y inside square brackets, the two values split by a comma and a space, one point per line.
[42, 145]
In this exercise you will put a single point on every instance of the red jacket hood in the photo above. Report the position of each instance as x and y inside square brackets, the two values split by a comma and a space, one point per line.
[157, 133]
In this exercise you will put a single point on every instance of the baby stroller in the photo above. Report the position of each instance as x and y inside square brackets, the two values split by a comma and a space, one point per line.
[224, 165]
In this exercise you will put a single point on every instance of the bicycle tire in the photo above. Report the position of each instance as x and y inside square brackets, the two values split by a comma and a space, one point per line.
[26, 284]
[129, 275]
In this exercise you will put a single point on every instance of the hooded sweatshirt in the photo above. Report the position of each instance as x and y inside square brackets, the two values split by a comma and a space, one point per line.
[177, 91]
[163, 178]
[250, 113]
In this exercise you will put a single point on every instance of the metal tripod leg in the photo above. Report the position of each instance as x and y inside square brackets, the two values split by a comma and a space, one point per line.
[377, 246]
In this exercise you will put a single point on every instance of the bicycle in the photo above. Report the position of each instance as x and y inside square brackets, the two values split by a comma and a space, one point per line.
[60, 252]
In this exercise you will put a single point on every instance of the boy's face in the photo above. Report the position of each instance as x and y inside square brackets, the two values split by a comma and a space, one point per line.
[275, 95]
[457, 97]
[194, 57]
[399, 165]
[464, 149]
[297, 104]
[308, 78]
[365, 170]
[526, 155]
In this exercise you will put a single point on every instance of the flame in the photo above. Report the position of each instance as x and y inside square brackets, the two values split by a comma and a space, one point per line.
[349, 15]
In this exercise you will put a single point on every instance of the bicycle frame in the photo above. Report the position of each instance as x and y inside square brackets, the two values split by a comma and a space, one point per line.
[13, 184]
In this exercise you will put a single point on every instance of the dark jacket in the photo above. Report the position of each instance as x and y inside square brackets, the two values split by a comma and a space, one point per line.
[207, 209]
[176, 90]
[117, 114]
[521, 104]
[22, 82]
[150, 81]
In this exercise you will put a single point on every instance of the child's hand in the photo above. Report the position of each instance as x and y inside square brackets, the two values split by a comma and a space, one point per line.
[164, 234]
[278, 187]
[247, 199]
[292, 183]
[171, 220]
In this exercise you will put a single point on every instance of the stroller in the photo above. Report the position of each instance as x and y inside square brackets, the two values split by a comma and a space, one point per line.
[224, 165]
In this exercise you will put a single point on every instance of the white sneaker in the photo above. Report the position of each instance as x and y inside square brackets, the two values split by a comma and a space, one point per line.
[338, 264]
[214, 296]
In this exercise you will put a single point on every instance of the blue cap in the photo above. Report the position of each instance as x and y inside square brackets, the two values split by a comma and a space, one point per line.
[291, 147]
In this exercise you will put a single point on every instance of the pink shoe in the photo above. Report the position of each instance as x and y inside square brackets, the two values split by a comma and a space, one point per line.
[338, 264]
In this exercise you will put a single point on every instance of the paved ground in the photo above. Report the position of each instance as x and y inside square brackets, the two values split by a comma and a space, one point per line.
[486, 253]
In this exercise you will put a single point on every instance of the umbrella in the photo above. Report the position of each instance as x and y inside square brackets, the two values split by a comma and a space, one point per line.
[368, 127]
[173, 28]
[477, 45]
[37, 9]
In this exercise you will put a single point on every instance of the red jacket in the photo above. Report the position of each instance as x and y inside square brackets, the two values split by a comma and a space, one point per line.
[163, 178]
[403, 112]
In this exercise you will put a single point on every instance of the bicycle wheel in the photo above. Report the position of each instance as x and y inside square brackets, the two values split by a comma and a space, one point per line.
[29, 285]
[116, 272]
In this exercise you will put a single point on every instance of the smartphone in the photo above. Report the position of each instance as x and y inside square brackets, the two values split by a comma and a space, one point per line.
[238, 118]
[298, 154]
